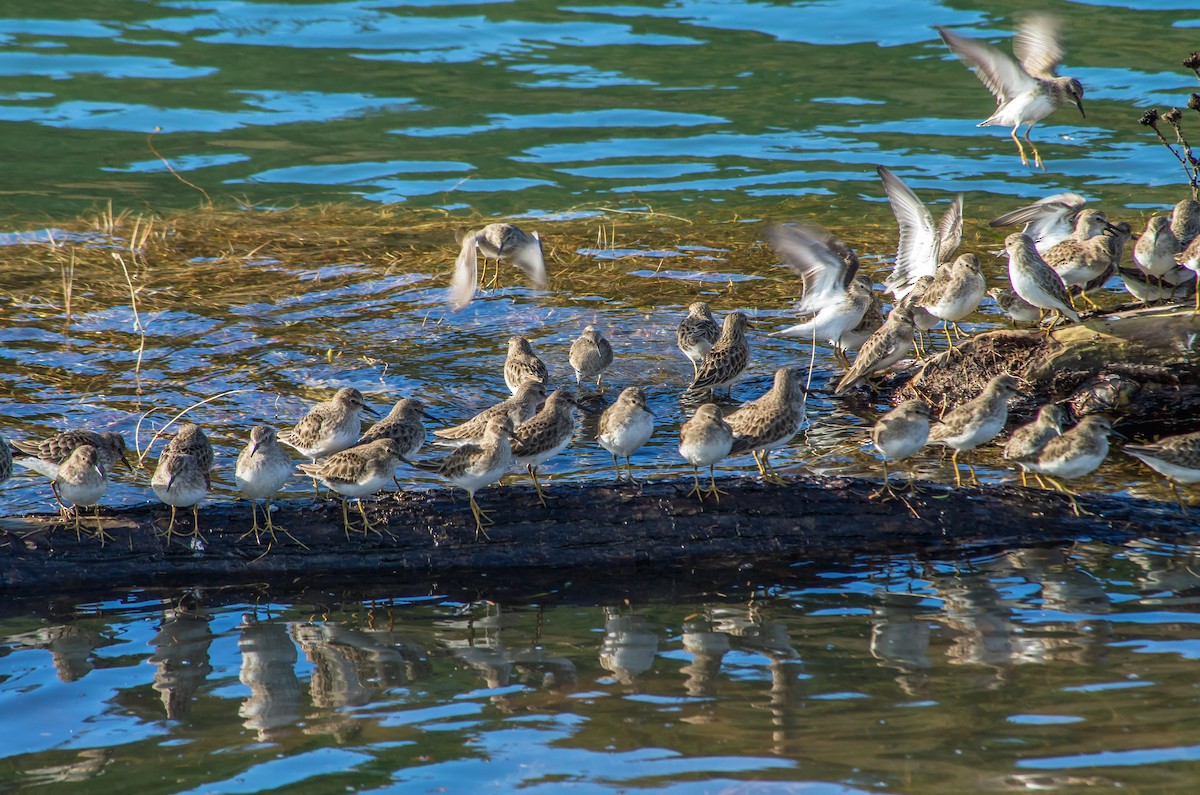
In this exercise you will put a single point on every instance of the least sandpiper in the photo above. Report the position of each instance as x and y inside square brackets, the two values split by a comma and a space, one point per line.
[1087, 253]
[922, 246]
[835, 300]
[329, 427]
[1115, 238]
[45, 456]
[262, 468]
[697, 333]
[625, 426]
[1156, 248]
[703, 441]
[473, 466]
[404, 424]
[955, 293]
[1177, 284]
[1026, 90]
[1025, 444]
[1034, 280]
[898, 434]
[181, 478]
[727, 359]
[1016, 307]
[1185, 221]
[81, 481]
[528, 401]
[1048, 221]
[885, 348]
[498, 242]
[545, 435]
[1076, 453]
[770, 421]
[358, 472]
[1177, 458]
[521, 364]
[590, 355]
[977, 421]
[1190, 259]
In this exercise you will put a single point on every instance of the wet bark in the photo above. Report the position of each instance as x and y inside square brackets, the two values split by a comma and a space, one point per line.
[1136, 363]
[585, 527]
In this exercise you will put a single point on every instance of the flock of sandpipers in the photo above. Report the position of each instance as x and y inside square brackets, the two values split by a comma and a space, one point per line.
[1065, 252]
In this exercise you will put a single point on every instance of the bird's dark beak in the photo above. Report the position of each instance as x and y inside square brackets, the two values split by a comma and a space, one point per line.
[428, 416]
[126, 462]
[1079, 104]
[254, 449]
[368, 410]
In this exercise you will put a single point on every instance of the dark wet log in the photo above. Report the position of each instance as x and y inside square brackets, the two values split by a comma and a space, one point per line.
[586, 527]
[1139, 364]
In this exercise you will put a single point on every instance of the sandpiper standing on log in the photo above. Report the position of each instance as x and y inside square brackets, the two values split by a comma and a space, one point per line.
[1034, 280]
[1177, 458]
[546, 435]
[45, 456]
[81, 482]
[590, 355]
[329, 427]
[358, 472]
[498, 242]
[182, 478]
[1026, 443]
[898, 434]
[473, 466]
[886, 347]
[262, 468]
[519, 408]
[1025, 92]
[521, 364]
[770, 421]
[697, 333]
[727, 359]
[404, 424]
[1076, 453]
[976, 422]
[625, 426]
[955, 293]
[703, 441]
[1155, 250]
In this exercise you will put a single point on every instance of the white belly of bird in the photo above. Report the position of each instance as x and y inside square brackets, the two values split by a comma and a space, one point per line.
[899, 448]
[180, 494]
[1075, 466]
[1025, 108]
[262, 482]
[539, 458]
[624, 439]
[73, 494]
[474, 479]
[364, 487]
[955, 307]
[706, 452]
[973, 437]
[1028, 288]
[1174, 472]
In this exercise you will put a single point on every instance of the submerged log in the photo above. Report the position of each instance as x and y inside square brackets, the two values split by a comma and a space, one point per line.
[585, 527]
[1137, 363]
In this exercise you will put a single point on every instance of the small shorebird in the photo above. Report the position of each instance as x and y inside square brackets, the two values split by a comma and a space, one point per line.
[955, 293]
[1088, 252]
[1026, 90]
[44, 456]
[404, 424]
[898, 434]
[1025, 444]
[521, 364]
[975, 422]
[703, 441]
[358, 472]
[727, 359]
[1013, 305]
[545, 435]
[1177, 458]
[1034, 280]
[590, 355]
[474, 465]
[1185, 221]
[498, 242]
[81, 481]
[1177, 284]
[1076, 453]
[885, 348]
[329, 427]
[182, 478]
[770, 421]
[625, 426]
[834, 299]
[1155, 250]
[923, 246]
[1190, 259]
[262, 468]
[1048, 221]
[697, 333]
[519, 408]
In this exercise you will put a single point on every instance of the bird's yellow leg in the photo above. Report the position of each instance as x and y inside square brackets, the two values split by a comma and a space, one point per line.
[713, 491]
[1037, 158]
[100, 534]
[345, 519]
[1024, 478]
[536, 485]
[78, 537]
[696, 489]
[886, 488]
[1070, 496]
[480, 518]
[954, 463]
[1178, 497]
[1021, 149]
[368, 525]
[254, 523]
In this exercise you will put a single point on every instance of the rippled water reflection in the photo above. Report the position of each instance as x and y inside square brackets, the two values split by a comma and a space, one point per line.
[536, 106]
[1031, 669]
